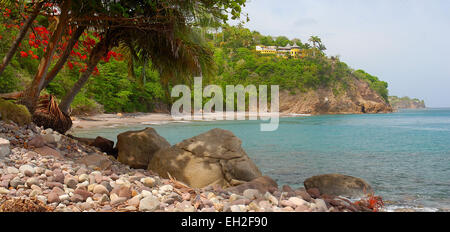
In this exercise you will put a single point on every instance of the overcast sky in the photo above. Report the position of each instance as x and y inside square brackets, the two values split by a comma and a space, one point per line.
[403, 42]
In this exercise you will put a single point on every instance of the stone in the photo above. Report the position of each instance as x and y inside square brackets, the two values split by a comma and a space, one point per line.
[136, 148]
[96, 161]
[4, 148]
[37, 141]
[263, 184]
[4, 191]
[83, 193]
[49, 138]
[83, 178]
[236, 208]
[135, 201]
[100, 189]
[297, 201]
[27, 169]
[122, 191]
[77, 198]
[148, 182]
[149, 203]
[214, 157]
[339, 185]
[32, 181]
[166, 188]
[118, 200]
[71, 182]
[271, 198]
[48, 151]
[321, 205]
[16, 181]
[12, 170]
[251, 194]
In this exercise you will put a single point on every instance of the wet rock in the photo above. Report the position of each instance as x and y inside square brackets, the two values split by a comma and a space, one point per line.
[339, 185]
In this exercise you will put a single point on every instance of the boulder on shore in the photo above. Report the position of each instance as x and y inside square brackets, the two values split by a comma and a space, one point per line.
[214, 157]
[339, 185]
[136, 148]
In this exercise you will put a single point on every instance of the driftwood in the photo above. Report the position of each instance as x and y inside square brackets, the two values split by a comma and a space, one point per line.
[48, 115]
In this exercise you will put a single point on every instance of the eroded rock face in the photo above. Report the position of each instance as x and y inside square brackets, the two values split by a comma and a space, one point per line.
[136, 148]
[339, 185]
[214, 157]
[357, 98]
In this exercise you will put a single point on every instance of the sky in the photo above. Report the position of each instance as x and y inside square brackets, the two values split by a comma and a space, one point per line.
[403, 42]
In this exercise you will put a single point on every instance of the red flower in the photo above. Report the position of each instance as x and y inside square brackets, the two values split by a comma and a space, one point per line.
[23, 54]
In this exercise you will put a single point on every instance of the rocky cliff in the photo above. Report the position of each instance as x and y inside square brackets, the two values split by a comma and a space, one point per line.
[353, 97]
[406, 103]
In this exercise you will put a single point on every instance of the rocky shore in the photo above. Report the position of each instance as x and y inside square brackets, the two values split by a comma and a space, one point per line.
[44, 171]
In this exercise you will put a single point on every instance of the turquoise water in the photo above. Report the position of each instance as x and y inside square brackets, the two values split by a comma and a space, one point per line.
[405, 156]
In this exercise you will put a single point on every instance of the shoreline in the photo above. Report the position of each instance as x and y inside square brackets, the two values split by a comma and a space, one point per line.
[120, 119]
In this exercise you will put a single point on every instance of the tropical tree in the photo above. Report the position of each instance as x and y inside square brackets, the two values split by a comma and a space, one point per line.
[36, 9]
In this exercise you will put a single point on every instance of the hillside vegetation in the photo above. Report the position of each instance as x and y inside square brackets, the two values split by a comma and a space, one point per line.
[117, 87]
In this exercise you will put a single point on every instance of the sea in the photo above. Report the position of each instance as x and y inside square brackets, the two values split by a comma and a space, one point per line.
[404, 156]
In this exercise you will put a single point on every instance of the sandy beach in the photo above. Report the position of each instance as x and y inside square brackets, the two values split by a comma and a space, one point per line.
[115, 120]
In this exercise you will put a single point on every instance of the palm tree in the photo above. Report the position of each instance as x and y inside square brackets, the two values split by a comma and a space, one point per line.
[316, 42]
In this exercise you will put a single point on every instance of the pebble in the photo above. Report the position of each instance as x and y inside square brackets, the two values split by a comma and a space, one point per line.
[12, 170]
[166, 188]
[27, 170]
[148, 182]
[251, 194]
[100, 189]
[149, 204]
[297, 201]
[4, 191]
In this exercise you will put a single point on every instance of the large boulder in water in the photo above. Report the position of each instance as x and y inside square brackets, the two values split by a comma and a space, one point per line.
[136, 148]
[339, 185]
[214, 157]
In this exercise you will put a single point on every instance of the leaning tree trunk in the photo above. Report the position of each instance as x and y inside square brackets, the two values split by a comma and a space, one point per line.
[23, 31]
[31, 94]
[99, 51]
[60, 64]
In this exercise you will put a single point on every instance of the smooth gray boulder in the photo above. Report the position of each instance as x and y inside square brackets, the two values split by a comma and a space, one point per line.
[339, 185]
[214, 157]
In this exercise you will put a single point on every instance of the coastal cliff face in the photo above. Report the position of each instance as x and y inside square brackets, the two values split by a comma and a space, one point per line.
[406, 103]
[356, 98]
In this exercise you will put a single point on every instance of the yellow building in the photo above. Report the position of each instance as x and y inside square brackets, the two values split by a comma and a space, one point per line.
[293, 51]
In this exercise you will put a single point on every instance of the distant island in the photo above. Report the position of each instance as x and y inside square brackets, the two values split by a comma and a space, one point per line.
[406, 103]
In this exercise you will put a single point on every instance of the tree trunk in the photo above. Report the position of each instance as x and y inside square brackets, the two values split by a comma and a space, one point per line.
[23, 31]
[73, 40]
[99, 51]
[31, 94]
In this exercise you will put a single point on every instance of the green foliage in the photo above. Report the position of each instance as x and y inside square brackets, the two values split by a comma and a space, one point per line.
[13, 112]
[379, 86]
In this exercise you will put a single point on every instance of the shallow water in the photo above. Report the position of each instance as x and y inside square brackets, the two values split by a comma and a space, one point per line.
[405, 156]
